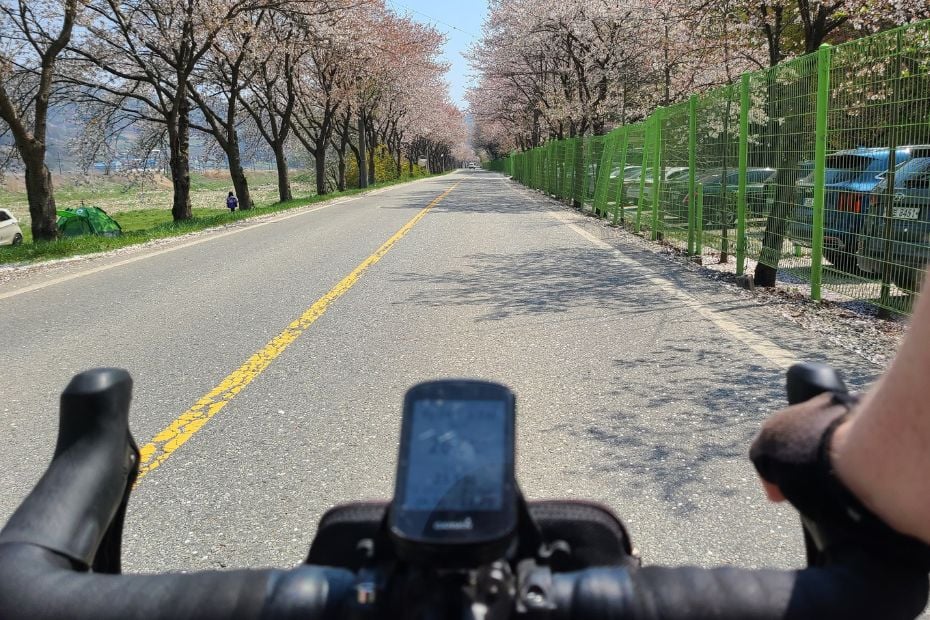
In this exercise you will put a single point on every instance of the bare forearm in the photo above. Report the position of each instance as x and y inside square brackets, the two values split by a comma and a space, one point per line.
[883, 452]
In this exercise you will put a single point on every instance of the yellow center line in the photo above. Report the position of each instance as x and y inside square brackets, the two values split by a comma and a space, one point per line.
[176, 434]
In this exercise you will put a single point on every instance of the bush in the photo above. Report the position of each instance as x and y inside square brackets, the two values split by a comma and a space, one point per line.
[385, 168]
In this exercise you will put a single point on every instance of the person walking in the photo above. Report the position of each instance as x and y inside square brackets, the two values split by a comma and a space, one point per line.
[232, 202]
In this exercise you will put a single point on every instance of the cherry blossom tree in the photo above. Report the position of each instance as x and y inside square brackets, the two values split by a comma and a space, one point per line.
[553, 70]
[32, 36]
[143, 55]
[216, 85]
[393, 78]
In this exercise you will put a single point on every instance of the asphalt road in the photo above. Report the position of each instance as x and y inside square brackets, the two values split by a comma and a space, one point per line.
[640, 384]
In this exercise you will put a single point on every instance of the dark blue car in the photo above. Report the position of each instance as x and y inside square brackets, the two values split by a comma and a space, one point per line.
[907, 230]
[850, 177]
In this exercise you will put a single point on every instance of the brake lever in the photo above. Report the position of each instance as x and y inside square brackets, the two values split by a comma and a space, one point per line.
[803, 382]
[77, 508]
[806, 380]
[109, 553]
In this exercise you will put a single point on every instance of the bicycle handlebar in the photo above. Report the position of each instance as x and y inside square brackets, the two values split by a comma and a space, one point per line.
[855, 590]
[59, 557]
[37, 583]
[71, 523]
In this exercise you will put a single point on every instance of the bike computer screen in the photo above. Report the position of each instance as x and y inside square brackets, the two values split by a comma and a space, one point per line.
[455, 481]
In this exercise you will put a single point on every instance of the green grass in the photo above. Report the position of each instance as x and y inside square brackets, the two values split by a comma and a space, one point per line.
[102, 190]
[144, 225]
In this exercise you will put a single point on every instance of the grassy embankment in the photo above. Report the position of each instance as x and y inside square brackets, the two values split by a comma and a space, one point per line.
[127, 205]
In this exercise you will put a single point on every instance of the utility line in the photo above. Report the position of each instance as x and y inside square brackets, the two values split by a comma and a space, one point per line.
[431, 18]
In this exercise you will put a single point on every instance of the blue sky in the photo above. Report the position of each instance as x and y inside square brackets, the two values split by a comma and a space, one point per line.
[461, 22]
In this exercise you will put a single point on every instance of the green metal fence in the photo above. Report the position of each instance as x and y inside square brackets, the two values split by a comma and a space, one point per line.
[819, 167]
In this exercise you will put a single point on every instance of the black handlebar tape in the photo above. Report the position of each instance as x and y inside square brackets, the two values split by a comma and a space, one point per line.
[809, 379]
[72, 506]
[859, 589]
[40, 585]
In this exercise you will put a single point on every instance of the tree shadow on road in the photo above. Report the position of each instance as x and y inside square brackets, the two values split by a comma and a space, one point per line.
[687, 410]
[488, 195]
[687, 401]
[554, 280]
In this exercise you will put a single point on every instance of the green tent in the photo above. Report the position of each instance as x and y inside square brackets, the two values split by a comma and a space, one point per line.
[87, 221]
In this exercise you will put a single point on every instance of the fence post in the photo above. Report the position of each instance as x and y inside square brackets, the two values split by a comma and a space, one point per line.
[692, 166]
[527, 168]
[619, 197]
[537, 167]
[565, 178]
[568, 168]
[588, 175]
[550, 168]
[888, 197]
[602, 186]
[699, 220]
[656, 174]
[579, 173]
[538, 153]
[531, 169]
[824, 56]
[641, 196]
[743, 163]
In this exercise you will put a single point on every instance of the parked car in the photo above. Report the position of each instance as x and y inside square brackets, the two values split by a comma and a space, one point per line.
[850, 177]
[673, 174]
[628, 172]
[615, 173]
[10, 232]
[909, 230]
[716, 213]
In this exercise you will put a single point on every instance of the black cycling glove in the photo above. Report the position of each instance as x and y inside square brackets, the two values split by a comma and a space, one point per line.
[792, 452]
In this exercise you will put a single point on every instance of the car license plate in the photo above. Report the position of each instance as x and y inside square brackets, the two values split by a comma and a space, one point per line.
[906, 213]
[809, 202]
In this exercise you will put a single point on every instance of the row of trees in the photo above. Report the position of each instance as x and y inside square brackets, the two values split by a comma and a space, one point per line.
[550, 70]
[581, 67]
[338, 78]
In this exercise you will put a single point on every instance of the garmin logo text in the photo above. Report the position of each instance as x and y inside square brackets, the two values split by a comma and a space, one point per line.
[464, 524]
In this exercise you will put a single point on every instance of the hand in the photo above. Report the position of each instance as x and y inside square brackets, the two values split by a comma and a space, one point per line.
[789, 452]
[795, 458]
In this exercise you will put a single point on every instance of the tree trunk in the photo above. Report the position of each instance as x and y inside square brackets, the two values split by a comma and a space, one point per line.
[41, 197]
[319, 160]
[341, 154]
[371, 141]
[371, 165]
[341, 170]
[237, 173]
[797, 137]
[180, 164]
[284, 181]
[362, 153]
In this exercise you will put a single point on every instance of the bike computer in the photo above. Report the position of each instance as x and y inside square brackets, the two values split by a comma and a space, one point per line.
[455, 497]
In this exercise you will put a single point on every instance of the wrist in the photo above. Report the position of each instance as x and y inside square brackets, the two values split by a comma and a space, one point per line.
[865, 475]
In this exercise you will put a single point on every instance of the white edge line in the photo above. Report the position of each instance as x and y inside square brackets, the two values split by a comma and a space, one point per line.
[763, 346]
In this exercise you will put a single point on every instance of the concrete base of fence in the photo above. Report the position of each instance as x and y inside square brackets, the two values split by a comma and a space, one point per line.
[746, 281]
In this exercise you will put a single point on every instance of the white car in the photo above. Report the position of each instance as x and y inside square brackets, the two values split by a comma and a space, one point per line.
[10, 232]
